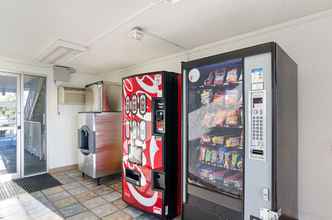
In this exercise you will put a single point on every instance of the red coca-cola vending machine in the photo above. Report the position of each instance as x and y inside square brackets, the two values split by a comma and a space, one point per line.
[151, 137]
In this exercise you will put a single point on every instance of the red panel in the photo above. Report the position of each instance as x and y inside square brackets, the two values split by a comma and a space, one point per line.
[142, 197]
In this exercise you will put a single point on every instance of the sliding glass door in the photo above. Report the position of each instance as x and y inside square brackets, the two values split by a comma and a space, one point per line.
[34, 107]
[22, 125]
[9, 125]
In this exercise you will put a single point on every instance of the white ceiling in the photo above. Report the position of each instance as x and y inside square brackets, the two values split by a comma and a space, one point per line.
[30, 26]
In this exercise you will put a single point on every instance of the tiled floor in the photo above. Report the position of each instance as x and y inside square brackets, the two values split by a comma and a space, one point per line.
[77, 199]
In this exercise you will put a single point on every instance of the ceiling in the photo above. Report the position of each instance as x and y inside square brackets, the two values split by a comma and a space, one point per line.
[28, 27]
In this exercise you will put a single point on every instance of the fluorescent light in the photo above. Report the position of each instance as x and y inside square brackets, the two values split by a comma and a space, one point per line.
[60, 51]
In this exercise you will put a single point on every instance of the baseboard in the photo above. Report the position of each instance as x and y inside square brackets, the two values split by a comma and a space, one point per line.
[63, 169]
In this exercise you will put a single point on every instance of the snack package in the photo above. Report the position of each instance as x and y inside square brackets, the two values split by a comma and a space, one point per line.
[205, 139]
[234, 181]
[208, 156]
[232, 119]
[232, 141]
[209, 80]
[228, 160]
[232, 98]
[219, 176]
[219, 77]
[214, 156]
[235, 158]
[221, 157]
[206, 96]
[202, 153]
[209, 120]
[240, 77]
[219, 118]
[239, 163]
[232, 75]
[219, 98]
[205, 172]
[217, 140]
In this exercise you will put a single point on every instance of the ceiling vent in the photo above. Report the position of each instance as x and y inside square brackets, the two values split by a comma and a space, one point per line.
[60, 52]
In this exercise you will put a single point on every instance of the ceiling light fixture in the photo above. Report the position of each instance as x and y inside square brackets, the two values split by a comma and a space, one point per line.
[136, 33]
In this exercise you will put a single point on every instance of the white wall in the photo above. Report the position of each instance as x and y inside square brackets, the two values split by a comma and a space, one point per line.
[62, 123]
[309, 42]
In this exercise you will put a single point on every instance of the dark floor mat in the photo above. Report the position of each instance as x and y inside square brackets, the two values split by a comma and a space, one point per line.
[37, 183]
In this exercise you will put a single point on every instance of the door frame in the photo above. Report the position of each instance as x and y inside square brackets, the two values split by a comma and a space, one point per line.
[20, 123]
[22, 174]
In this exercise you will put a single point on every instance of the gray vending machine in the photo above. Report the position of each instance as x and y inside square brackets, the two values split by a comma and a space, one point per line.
[240, 135]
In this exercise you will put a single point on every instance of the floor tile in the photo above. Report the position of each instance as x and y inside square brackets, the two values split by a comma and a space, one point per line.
[73, 173]
[90, 185]
[77, 190]
[83, 216]
[66, 180]
[71, 185]
[118, 216]
[58, 196]
[77, 178]
[112, 196]
[92, 203]
[103, 190]
[50, 206]
[117, 187]
[65, 202]
[53, 190]
[85, 196]
[104, 210]
[132, 212]
[72, 210]
[37, 194]
[120, 204]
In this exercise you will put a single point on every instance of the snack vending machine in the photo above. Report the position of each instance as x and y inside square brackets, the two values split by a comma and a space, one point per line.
[240, 135]
[151, 132]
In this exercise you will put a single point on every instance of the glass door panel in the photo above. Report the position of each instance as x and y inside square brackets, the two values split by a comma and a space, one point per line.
[9, 103]
[215, 127]
[34, 107]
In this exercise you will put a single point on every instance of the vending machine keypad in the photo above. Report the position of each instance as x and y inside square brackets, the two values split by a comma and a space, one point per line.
[257, 148]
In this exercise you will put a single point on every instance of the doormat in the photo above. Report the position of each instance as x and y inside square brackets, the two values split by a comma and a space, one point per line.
[37, 183]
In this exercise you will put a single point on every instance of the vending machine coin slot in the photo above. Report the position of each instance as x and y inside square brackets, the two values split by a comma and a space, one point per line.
[159, 116]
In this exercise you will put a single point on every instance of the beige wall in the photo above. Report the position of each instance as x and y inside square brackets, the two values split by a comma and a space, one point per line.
[309, 42]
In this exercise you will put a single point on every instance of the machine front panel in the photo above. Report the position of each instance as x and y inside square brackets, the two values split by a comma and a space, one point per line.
[142, 128]
[258, 142]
